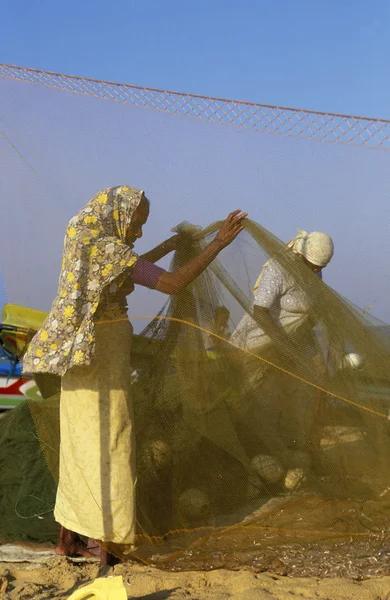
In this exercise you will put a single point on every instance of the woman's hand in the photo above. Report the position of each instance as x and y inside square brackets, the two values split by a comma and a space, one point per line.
[226, 234]
[174, 283]
[230, 228]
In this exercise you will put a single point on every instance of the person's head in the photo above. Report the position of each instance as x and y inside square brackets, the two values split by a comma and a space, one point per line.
[119, 211]
[312, 267]
[221, 316]
[140, 216]
[315, 249]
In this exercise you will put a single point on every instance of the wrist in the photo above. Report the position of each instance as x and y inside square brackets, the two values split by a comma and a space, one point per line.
[216, 245]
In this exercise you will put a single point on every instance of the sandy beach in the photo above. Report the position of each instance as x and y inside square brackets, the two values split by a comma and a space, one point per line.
[34, 573]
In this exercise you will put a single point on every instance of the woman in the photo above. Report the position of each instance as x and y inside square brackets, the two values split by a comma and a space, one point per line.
[86, 339]
[280, 329]
[280, 305]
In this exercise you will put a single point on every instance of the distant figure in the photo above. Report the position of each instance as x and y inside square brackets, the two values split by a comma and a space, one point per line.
[220, 329]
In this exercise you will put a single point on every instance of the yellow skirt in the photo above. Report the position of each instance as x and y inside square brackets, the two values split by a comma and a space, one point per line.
[97, 473]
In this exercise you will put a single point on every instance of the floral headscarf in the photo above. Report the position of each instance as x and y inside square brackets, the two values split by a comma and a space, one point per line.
[95, 254]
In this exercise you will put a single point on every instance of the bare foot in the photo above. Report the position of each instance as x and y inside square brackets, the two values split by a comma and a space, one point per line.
[94, 547]
[70, 544]
[107, 559]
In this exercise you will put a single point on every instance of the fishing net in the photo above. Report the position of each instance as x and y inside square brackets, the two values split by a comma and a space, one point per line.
[247, 453]
[27, 488]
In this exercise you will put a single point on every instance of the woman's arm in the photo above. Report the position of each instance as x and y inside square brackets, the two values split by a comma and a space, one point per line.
[161, 250]
[277, 334]
[270, 326]
[174, 283]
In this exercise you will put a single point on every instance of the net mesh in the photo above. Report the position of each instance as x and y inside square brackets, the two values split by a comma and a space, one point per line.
[328, 127]
[246, 453]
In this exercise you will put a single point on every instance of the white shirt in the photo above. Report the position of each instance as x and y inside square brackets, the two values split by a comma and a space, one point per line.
[287, 303]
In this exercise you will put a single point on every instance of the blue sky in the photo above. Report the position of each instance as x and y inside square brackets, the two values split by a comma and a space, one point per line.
[191, 171]
[330, 56]
[290, 53]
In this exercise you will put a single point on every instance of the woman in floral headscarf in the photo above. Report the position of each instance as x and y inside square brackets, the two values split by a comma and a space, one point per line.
[86, 340]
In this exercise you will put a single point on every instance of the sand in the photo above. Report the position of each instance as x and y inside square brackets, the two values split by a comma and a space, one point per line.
[37, 574]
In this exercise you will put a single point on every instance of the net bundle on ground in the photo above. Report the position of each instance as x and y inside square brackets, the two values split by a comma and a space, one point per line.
[248, 451]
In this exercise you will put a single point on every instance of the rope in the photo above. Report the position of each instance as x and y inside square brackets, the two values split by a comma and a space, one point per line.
[253, 355]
